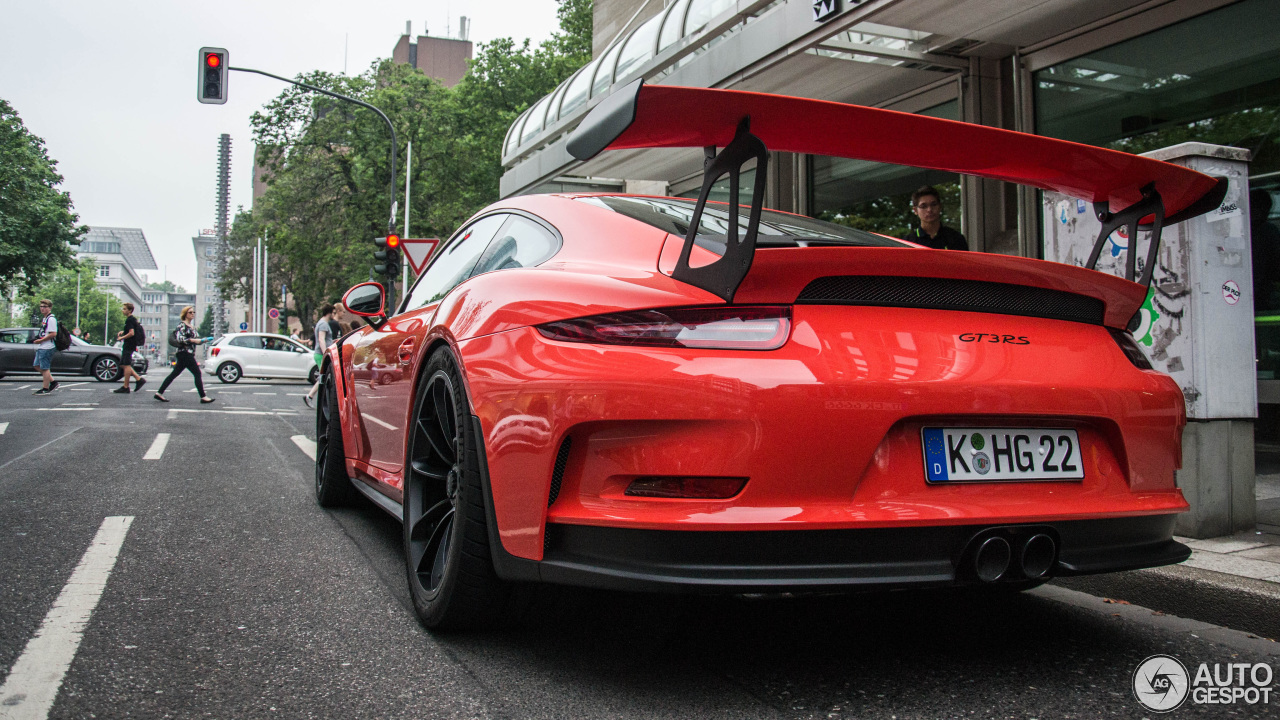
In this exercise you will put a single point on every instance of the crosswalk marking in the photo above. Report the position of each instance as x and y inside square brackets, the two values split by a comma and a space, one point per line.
[3, 427]
[24, 387]
[257, 393]
[33, 682]
[66, 409]
[157, 447]
[306, 444]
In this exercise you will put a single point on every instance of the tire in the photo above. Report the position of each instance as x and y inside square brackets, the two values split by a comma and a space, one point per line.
[313, 376]
[333, 485]
[107, 369]
[446, 540]
[229, 373]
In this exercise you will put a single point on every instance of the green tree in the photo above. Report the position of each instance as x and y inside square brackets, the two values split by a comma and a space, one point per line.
[60, 287]
[166, 286]
[37, 226]
[206, 324]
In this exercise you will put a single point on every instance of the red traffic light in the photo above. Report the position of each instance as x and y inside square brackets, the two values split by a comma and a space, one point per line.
[212, 60]
[393, 240]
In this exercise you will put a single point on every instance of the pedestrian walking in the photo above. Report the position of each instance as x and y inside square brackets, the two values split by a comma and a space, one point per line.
[185, 358]
[323, 337]
[132, 335]
[45, 348]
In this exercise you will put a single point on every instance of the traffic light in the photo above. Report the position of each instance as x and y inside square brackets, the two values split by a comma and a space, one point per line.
[211, 75]
[387, 255]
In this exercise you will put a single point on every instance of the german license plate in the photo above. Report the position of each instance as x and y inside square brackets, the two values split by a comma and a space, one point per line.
[1000, 454]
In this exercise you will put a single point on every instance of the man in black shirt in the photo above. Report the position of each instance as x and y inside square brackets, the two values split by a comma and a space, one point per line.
[133, 335]
[926, 203]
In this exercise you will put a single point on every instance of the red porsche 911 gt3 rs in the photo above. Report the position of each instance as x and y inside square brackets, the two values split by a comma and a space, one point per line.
[665, 394]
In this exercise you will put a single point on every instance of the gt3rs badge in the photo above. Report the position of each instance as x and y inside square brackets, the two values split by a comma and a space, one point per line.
[995, 338]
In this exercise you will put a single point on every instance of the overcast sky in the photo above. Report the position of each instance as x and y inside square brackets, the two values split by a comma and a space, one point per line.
[111, 87]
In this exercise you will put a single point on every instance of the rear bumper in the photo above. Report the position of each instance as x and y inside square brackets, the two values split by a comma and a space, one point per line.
[771, 561]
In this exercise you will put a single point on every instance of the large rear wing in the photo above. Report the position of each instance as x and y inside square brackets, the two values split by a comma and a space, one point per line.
[1126, 190]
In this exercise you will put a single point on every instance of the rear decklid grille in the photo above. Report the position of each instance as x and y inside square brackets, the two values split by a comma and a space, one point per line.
[952, 294]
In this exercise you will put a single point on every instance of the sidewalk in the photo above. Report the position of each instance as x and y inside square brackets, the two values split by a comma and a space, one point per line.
[1251, 554]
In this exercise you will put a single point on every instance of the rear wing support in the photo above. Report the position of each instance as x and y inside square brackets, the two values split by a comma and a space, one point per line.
[1131, 218]
[723, 276]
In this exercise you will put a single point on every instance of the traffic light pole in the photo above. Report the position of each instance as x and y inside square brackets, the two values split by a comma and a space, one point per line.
[391, 223]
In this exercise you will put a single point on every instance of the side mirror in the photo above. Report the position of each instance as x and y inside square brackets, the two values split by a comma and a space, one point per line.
[367, 300]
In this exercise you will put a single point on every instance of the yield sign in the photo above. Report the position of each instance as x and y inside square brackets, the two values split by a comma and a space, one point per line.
[419, 250]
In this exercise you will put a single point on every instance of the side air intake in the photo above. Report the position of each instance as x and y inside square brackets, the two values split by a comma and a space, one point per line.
[948, 294]
[557, 474]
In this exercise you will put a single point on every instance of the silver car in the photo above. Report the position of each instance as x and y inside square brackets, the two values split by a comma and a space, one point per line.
[18, 354]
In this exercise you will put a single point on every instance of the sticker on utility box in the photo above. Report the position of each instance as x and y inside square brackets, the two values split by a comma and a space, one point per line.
[1231, 292]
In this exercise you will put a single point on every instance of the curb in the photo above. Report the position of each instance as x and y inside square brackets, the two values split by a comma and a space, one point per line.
[1228, 600]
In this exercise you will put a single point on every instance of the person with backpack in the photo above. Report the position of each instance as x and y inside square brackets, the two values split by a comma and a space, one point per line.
[184, 339]
[51, 338]
[132, 335]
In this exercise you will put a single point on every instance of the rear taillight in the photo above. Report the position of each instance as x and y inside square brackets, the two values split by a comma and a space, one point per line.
[1130, 348]
[215, 352]
[727, 327]
[697, 488]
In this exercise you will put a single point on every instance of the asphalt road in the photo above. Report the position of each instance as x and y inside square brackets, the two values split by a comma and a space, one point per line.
[235, 596]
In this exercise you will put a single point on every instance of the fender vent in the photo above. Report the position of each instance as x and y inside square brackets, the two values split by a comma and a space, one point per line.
[557, 475]
[948, 294]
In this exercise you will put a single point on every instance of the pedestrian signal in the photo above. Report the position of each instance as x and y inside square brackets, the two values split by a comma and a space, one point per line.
[211, 79]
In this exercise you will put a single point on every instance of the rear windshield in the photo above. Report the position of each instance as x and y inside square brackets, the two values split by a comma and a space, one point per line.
[777, 229]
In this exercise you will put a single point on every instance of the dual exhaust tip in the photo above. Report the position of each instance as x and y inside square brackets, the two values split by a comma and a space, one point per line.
[995, 557]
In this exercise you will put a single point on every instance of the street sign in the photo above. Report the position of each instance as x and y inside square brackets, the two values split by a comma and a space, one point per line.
[244, 326]
[273, 313]
[418, 251]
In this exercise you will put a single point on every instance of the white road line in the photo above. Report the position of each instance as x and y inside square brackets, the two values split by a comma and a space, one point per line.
[191, 390]
[157, 447]
[307, 445]
[264, 393]
[373, 419]
[67, 385]
[235, 407]
[296, 394]
[65, 409]
[32, 686]
[173, 414]
[81, 390]
[24, 387]
[228, 392]
[37, 449]
[77, 404]
[3, 427]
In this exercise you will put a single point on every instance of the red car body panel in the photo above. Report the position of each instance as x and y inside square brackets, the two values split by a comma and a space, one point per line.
[709, 117]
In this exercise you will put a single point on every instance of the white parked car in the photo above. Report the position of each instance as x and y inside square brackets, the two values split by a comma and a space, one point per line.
[260, 355]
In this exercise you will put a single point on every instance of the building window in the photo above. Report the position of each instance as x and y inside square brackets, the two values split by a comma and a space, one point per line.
[104, 271]
[1212, 79]
[209, 263]
[874, 196]
[209, 251]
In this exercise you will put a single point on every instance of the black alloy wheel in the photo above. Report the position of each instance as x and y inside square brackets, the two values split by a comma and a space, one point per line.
[107, 369]
[229, 372]
[333, 485]
[451, 575]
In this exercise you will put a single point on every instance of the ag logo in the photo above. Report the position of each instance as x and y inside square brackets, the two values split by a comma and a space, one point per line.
[1161, 683]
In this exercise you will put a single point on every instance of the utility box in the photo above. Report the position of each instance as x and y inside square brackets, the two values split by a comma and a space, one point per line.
[1196, 325]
